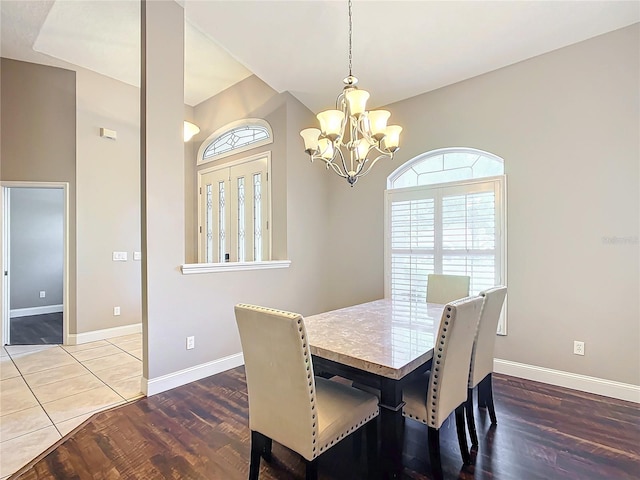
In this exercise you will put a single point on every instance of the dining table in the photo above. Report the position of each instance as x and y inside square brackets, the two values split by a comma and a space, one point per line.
[383, 345]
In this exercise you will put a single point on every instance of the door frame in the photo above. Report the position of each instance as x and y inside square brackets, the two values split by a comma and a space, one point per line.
[5, 281]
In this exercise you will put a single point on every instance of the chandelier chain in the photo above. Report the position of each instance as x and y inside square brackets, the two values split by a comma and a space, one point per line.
[351, 139]
[350, 35]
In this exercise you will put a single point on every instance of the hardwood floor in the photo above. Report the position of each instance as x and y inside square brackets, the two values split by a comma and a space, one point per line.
[200, 431]
[37, 329]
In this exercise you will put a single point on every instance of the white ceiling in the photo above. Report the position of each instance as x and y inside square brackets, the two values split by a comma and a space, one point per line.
[401, 48]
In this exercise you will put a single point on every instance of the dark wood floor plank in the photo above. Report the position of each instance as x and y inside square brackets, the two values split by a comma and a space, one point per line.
[200, 431]
[36, 329]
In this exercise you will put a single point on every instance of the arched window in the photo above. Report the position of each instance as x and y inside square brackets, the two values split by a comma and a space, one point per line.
[234, 138]
[445, 213]
[446, 165]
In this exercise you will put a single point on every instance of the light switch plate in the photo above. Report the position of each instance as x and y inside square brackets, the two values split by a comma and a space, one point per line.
[119, 256]
[137, 255]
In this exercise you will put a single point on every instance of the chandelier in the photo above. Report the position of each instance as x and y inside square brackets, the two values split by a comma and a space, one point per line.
[351, 139]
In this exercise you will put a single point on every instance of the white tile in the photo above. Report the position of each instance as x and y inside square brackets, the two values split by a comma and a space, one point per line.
[23, 422]
[15, 396]
[128, 388]
[56, 374]
[20, 349]
[81, 403]
[136, 353]
[3, 352]
[130, 369]
[85, 346]
[98, 352]
[130, 345]
[18, 451]
[67, 387]
[38, 361]
[112, 361]
[69, 425]
[126, 338]
[8, 369]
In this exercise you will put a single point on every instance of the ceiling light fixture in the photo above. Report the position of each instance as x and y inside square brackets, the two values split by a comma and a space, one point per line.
[350, 136]
[190, 129]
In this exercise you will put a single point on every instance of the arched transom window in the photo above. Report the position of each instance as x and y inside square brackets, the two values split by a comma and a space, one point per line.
[446, 165]
[235, 138]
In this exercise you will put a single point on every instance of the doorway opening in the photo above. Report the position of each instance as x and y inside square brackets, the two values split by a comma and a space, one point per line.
[34, 257]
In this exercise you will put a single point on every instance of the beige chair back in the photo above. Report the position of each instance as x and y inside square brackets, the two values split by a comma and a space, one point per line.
[482, 353]
[279, 375]
[451, 357]
[446, 288]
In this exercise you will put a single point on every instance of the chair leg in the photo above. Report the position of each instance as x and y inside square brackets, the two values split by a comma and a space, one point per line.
[462, 435]
[487, 393]
[357, 442]
[266, 448]
[471, 424]
[372, 447]
[433, 438]
[312, 469]
[256, 450]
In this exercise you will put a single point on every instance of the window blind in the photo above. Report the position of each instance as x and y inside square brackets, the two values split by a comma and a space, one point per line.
[453, 229]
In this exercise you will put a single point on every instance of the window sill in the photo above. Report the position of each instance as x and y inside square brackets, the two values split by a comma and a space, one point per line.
[197, 268]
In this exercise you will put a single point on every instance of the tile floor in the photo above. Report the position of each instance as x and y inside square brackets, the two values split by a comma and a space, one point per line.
[48, 390]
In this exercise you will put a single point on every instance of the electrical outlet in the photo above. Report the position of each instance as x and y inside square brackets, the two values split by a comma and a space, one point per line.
[191, 343]
[116, 311]
[43, 294]
[578, 347]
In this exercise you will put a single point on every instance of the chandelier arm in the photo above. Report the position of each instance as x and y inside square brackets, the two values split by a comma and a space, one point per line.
[373, 162]
[338, 151]
[360, 126]
[329, 163]
[382, 152]
[336, 168]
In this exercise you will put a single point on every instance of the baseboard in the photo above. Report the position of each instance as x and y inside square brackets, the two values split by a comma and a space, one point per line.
[95, 335]
[188, 375]
[27, 312]
[574, 381]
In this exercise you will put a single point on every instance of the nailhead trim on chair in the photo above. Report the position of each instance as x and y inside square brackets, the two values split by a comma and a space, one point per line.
[435, 390]
[347, 432]
[307, 358]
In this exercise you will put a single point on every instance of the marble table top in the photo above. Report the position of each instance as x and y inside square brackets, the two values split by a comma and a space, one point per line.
[387, 337]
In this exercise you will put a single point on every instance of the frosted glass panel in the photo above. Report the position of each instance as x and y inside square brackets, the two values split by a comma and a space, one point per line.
[451, 166]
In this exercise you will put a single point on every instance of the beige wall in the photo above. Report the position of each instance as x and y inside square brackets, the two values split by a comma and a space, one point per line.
[250, 98]
[54, 135]
[108, 179]
[190, 213]
[202, 305]
[567, 125]
[38, 109]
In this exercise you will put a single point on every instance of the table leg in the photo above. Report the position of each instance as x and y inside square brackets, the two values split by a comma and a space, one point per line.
[391, 426]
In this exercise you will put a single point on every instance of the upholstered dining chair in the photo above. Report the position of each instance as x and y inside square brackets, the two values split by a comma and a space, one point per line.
[446, 288]
[482, 357]
[432, 402]
[286, 402]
